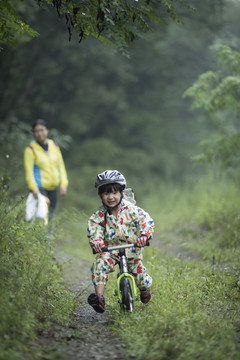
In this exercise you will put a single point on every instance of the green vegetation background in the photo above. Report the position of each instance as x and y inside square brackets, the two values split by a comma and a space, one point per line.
[107, 111]
[120, 113]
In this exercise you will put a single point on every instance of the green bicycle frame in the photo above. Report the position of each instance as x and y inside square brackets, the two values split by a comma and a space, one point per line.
[124, 273]
[132, 284]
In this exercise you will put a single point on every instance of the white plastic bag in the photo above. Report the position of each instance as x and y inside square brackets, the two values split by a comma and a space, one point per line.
[42, 207]
[37, 207]
[31, 207]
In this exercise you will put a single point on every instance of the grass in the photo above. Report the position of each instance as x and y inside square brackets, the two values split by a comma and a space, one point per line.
[203, 218]
[194, 313]
[72, 234]
[195, 309]
[32, 289]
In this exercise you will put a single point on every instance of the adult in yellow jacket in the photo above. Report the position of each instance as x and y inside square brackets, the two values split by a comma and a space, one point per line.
[44, 166]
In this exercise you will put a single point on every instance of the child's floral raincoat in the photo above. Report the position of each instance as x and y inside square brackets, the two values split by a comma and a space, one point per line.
[108, 230]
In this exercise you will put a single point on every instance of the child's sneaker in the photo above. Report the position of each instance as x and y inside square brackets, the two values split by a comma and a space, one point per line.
[145, 296]
[97, 302]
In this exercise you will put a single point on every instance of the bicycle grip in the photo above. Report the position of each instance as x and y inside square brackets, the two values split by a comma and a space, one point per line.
[104, 249]
[147, 243]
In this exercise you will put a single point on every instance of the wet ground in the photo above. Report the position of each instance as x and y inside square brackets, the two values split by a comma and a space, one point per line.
[88, 336]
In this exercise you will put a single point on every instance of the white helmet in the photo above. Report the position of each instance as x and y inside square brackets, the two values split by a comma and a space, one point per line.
[109, 177]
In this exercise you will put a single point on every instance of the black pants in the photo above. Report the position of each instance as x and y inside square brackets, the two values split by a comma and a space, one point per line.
[52, 196]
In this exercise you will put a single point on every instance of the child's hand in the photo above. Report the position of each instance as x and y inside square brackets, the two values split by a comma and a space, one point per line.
[141, 242]
[98, 248]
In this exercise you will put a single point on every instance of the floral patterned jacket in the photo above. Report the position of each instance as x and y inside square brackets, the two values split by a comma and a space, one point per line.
[130, 223]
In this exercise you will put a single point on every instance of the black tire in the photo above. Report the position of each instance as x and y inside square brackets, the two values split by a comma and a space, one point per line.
[127, 298]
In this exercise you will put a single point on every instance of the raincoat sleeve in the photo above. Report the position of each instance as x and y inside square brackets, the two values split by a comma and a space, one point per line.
[62, 169]
[144, 223]
[96, 229]
[28, 166]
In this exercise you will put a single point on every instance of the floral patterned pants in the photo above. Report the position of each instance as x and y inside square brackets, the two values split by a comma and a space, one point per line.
[105, 263]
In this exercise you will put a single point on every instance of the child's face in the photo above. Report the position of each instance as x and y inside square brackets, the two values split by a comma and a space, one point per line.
[111, 199]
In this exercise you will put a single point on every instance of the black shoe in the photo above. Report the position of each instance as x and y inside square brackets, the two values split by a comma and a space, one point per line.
[97, 302]
[145, 296]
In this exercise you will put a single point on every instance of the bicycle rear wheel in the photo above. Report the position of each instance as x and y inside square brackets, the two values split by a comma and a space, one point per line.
[127, 298]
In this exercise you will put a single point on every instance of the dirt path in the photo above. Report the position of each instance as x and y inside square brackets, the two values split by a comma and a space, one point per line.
[88, 336]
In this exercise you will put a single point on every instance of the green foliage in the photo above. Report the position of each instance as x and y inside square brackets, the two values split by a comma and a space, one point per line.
[223, 149]
[116, 22]
[13, 140]
[32, 290]
[217, 94]
[129, 114]
[227, 58]
[15, 137]
[201, 218]
[193, 314]
[63, 140]
[118, 112]
[201, 91]
[13, 28]
[96, 96]
[73, 236]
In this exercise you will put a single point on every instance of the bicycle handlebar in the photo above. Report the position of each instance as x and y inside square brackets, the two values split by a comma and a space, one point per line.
[118, 247]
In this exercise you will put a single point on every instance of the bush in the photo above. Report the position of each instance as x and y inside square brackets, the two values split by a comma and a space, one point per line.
[32, 290]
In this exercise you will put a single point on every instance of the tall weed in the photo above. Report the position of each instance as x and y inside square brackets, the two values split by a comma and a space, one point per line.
[204, 215]
[194, 313]
[32, 290]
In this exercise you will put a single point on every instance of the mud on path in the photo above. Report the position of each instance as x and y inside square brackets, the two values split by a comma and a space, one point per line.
[88, 336]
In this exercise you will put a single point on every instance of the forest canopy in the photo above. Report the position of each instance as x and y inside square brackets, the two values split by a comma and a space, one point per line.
[117, 22]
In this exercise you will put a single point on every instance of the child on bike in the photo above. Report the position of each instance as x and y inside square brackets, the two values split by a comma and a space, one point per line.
[117, 221]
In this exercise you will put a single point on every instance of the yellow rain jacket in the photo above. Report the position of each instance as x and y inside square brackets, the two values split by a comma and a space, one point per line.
[44, 169]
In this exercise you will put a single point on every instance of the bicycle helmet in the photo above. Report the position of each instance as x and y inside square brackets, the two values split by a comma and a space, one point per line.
[109, 177]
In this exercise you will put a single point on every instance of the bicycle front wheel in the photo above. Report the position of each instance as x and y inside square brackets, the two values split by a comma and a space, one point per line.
[126, 292]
